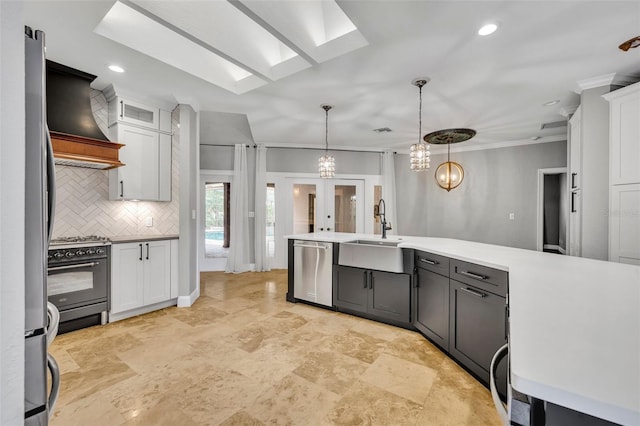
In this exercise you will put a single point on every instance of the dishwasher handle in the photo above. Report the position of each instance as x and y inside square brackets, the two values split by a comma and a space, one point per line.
[321, 247]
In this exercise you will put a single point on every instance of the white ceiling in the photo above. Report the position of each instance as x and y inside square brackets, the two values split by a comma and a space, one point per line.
[495, 84]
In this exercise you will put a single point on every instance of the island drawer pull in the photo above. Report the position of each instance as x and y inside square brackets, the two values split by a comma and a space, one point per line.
[430, 262]
[474, 292]
[472, 275]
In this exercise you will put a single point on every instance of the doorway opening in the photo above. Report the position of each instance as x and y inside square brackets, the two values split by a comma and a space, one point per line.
[217, 219]
[553, 211]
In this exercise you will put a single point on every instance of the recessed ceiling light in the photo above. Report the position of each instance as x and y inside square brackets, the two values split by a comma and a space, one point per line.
[116, 68]
[487, 29]
[553, 102]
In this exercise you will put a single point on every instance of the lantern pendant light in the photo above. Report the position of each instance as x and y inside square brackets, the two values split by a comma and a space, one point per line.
[419, 154]
[449, 174]
[326, 163]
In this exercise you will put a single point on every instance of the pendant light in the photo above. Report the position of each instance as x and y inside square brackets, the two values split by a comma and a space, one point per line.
[326, 163]
[449, 174]
[419, 154]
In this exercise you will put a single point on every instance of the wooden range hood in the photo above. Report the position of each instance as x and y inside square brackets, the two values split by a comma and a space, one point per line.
[75, 136]
[81, 151]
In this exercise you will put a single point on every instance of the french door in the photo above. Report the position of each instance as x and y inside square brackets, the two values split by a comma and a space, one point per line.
[334, 205]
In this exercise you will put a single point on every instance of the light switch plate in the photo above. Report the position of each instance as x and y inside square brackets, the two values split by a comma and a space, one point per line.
[512, 216]
[149, 221]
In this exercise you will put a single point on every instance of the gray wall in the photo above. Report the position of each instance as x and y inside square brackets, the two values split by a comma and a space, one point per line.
[411, 198]
[551, 218]
[595, 173]
[189, 276]
[11, 214]
[497, 182]
[306, 161]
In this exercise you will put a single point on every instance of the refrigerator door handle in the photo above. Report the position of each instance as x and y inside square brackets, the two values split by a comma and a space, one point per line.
[54, 320]
[51, 187]
[55, 382]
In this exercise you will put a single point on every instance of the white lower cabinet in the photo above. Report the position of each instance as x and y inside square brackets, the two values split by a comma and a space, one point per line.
[141, 276]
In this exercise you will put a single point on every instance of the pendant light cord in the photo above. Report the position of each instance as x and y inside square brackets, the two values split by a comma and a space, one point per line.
[326, 131]
[420, 117]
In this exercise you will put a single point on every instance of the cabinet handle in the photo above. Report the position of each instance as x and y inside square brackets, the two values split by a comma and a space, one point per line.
[328, 229]
[430, 262]
[147, 251]
[474, 292]
[365, 279]
[573, 202]
[371, 280]
[140, 251]
[472, 275]
[121, 109]
[573, 180]
[122, 188]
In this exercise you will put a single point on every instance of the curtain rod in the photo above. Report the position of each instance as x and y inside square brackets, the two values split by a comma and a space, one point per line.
[295, 147]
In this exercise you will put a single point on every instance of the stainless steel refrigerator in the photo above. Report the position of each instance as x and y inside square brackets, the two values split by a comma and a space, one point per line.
[41, 318]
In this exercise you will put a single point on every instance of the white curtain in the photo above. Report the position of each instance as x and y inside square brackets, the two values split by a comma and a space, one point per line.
[389, 190]
[239, 256]
[262, 263]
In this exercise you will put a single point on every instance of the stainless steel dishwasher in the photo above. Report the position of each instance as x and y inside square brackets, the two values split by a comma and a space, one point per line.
[313, 272]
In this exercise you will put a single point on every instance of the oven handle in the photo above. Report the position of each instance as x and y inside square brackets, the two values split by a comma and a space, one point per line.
[500, 406]
[81, 265]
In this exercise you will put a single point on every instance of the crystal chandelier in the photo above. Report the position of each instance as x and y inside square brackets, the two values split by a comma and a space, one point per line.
[326, 163]
[419, 154]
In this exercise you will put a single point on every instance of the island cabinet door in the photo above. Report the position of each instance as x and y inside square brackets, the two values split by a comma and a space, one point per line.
[352, 286]
[390, 296]
[432, 306]
[478, 326]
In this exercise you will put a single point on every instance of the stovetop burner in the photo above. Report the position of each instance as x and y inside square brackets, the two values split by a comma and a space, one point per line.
[89, 239]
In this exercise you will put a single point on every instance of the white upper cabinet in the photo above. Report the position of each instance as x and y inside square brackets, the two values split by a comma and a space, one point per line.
[131, 112]
[624, 174]
[145, 131]
[624, 134]
[146, 174]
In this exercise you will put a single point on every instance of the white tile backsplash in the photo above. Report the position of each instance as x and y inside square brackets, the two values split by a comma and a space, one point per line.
[83, 206]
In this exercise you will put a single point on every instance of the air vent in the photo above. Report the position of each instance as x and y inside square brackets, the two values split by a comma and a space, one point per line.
[553, 124]
[382, 130]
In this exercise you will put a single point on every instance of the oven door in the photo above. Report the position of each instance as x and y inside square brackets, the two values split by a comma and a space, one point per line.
[73, 284]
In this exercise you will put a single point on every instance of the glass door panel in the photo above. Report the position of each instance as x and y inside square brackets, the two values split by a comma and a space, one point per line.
[304, 208]
[345, 202]
[216, 229]
[271, 220]
[344, 208]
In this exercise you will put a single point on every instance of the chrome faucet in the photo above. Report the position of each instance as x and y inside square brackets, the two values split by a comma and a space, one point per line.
[383, 221]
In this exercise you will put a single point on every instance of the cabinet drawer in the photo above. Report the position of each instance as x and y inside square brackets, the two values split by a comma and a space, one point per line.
[432, 262]
[483, 277]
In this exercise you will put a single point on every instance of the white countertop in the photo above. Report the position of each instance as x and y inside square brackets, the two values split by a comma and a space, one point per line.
[574, 323]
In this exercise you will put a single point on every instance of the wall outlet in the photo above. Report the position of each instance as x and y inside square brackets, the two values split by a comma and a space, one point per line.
[252, 214]
[512, 216]
[149, 221]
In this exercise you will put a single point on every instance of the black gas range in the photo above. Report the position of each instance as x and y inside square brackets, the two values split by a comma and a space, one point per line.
[79, 280]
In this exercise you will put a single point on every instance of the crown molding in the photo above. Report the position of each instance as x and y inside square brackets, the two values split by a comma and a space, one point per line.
[568, 111]
[612, 79]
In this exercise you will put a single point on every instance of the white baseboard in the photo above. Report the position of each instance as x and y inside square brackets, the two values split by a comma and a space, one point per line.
[142, 310]
[186, 301]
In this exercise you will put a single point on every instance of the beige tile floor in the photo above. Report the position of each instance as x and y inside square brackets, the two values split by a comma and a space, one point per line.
[242, 355]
